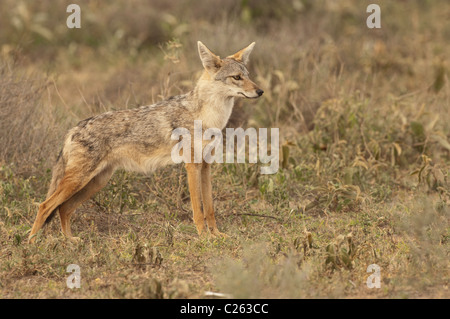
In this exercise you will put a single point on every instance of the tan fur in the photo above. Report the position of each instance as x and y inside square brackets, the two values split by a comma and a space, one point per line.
[140, 140]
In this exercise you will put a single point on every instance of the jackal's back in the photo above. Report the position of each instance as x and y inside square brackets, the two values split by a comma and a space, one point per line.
[135, 139]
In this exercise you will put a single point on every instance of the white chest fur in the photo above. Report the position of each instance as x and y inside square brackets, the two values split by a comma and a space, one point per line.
[215, 113]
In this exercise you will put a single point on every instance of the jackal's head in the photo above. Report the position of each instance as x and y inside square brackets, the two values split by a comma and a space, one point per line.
[230, 75]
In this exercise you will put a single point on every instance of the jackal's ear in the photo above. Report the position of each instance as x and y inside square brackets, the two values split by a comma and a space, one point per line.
[210, 61]
[244, 54]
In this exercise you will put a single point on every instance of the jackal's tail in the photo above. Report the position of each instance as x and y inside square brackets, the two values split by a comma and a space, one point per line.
[57, 175]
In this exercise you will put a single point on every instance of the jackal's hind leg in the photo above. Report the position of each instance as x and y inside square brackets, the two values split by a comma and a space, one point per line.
[69, 207]
[70, 184]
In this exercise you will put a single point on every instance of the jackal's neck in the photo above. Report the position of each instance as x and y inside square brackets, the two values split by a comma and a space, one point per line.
[214, 105]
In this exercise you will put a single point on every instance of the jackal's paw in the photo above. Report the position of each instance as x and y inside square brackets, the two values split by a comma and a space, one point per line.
[74, 240]
[217, 234]
[31, 239]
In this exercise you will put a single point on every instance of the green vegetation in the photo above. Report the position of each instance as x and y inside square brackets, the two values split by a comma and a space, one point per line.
[364, 127]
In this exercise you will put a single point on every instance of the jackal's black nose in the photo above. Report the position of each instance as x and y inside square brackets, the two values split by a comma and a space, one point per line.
[259, 92]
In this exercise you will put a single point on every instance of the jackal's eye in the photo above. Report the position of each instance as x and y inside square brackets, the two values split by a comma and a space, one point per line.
[237, 77]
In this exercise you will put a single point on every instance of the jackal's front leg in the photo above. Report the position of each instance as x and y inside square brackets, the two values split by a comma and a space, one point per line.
[207, 199]
[194, 173]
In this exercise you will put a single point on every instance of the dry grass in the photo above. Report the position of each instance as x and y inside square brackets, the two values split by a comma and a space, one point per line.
[365, 128]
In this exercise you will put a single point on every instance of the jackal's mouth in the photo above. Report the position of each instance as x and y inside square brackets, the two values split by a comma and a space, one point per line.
[249, 97]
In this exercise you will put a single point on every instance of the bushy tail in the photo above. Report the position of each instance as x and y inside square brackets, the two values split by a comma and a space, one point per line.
[57, 175]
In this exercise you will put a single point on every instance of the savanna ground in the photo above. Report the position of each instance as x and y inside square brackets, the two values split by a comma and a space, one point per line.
[364, 126]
